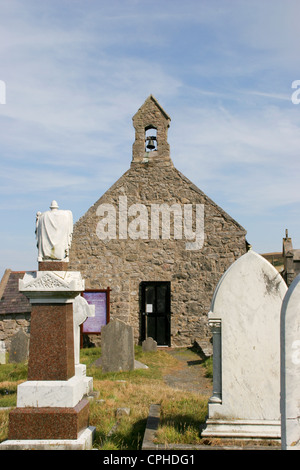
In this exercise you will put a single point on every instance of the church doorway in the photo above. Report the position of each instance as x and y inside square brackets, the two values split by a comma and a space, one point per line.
[155, 303]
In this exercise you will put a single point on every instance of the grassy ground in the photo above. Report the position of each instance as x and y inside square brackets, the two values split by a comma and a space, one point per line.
[181, 412]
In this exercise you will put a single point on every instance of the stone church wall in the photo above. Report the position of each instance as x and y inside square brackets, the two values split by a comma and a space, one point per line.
[122, 264]
[118, 243]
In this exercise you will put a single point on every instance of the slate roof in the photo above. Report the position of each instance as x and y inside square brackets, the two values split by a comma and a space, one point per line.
[11, 300]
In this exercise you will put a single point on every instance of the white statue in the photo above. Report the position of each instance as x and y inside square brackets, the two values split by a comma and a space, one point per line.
[54, 231]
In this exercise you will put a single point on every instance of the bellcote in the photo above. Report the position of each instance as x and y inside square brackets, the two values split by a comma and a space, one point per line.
[151, 125]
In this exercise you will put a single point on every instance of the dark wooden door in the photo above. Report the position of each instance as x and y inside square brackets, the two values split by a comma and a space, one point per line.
[156, 311]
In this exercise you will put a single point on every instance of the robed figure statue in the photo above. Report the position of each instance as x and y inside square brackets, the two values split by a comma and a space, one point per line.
[54, 231]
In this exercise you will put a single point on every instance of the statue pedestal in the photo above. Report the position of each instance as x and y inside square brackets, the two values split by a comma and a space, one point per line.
[51, 405]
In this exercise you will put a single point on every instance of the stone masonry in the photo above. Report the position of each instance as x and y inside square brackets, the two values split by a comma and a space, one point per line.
[122, 263]
[15, 309]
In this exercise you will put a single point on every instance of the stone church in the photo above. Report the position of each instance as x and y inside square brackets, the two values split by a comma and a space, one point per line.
[157, 241]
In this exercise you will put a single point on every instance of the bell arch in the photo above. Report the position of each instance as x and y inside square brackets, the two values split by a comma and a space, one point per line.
[151, 125]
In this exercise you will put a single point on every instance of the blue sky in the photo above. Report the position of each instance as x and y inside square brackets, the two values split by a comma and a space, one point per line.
[77, 71]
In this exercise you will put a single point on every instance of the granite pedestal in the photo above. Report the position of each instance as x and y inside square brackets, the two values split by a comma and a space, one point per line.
[51, 405]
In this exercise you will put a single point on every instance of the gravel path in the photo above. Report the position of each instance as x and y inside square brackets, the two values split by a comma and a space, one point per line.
[190, 375]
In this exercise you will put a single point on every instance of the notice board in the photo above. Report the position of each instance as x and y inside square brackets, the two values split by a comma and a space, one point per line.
[100, 299]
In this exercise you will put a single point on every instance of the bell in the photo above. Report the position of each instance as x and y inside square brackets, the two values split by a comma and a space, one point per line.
[150, 145]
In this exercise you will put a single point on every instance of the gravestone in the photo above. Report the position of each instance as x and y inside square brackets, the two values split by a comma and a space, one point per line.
[290, 368]
[149, 344]
[245, 319]
[81, 311]
[19, 347]
[117, 347]
[2, 353]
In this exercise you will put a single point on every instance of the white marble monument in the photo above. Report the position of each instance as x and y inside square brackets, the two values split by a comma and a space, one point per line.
[290, 368]
[57, 385]
[245, 319]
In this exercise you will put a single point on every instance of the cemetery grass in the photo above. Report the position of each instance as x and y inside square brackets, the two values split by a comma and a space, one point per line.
[182, 412]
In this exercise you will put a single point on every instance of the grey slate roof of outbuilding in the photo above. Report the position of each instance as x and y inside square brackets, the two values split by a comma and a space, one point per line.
[11, 300]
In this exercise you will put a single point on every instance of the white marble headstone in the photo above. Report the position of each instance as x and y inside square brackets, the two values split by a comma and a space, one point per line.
[245, 310]
[81, 311]
[2, 353]
[290, 368]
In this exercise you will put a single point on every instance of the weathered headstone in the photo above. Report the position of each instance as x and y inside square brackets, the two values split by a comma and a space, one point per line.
[149, 344]
[19, 347]
[290, 368]
[2, 353]
[245, 318]
[117, 347]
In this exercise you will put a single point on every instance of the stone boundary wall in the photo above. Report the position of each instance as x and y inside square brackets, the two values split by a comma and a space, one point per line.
[11, 324]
